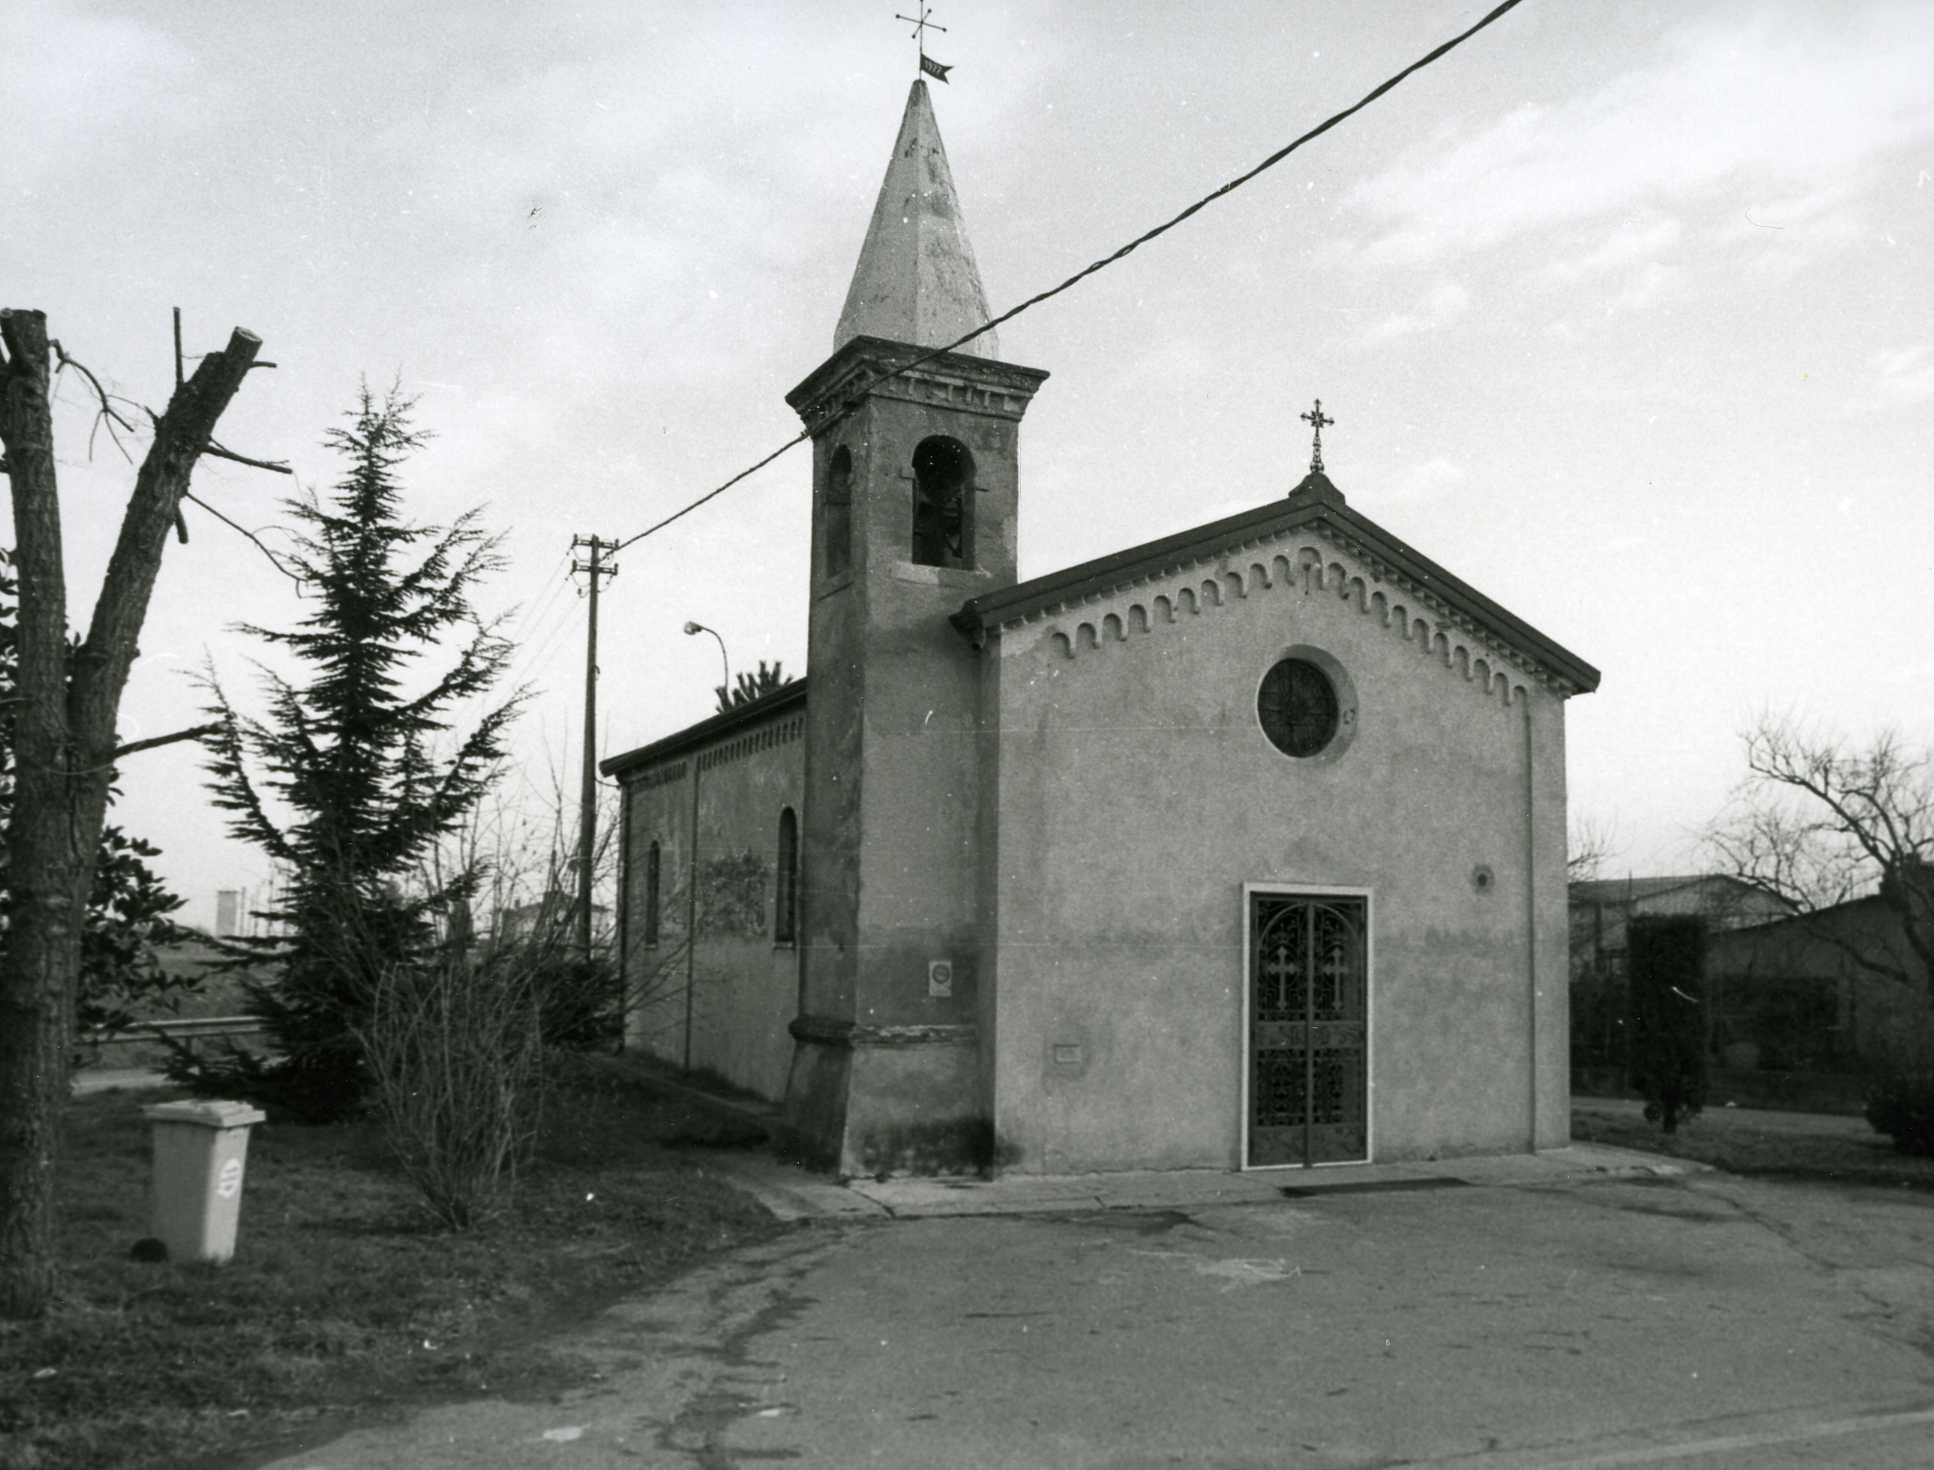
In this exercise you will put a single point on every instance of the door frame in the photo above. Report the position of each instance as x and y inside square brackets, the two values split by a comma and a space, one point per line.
[1243, 1059]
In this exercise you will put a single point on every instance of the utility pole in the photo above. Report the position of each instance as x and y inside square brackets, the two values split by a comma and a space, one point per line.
[597, 569]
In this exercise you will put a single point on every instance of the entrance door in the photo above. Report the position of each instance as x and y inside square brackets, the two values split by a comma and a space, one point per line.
[1308, 1030]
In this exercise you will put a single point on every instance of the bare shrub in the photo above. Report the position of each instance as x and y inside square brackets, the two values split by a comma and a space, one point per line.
[455, 1055]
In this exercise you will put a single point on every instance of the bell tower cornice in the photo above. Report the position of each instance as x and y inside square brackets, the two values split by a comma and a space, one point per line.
[872, 367]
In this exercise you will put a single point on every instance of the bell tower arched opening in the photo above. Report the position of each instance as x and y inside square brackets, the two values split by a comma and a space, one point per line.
[943, 503]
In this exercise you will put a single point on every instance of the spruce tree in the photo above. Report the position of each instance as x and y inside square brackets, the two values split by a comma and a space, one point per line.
[350, 780]
[750, 687]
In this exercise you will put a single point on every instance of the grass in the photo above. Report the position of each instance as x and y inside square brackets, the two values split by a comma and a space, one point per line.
[1742, 1142]
[342, 1301]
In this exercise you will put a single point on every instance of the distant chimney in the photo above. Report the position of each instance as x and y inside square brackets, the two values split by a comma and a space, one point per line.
[228, 912]
[1911, 871]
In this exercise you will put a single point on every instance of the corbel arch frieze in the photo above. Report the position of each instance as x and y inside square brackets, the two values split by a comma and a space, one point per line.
[1311, 565]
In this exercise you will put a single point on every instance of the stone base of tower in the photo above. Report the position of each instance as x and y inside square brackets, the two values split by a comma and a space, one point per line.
[872, 1100]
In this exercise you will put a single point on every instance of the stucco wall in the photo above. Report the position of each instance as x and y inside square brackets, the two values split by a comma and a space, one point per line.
[894, 724]
[724, 1003]
[1133, 794]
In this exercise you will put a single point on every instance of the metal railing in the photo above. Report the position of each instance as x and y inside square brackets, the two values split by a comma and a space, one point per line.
[190, 1029]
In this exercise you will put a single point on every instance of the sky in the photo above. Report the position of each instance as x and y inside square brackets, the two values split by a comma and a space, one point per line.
[1625, 315]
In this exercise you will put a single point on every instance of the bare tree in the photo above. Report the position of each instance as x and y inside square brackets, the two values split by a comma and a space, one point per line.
[1818, 822]
[66, 747]
[1588, 849]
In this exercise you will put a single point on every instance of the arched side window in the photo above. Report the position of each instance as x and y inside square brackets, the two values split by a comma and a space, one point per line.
[943, 503]
[785, 908]
[651, 893]
[836, 519]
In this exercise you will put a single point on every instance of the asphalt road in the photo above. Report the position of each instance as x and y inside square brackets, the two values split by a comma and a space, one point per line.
[1704, 1322]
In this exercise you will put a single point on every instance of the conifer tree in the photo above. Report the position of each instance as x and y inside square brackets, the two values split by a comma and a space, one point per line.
[752, 686]
[351, 755]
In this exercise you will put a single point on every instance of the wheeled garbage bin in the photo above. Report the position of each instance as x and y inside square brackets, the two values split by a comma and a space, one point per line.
[200, 1152]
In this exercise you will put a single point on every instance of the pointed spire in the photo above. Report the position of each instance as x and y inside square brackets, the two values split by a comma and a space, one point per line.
[916, 281]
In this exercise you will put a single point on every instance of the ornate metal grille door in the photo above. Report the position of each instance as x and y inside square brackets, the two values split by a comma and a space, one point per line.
[1308, 1030]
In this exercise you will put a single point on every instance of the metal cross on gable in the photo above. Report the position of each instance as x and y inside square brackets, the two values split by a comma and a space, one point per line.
[1317, 420]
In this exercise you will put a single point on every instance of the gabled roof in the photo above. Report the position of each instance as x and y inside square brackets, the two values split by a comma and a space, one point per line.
[1625, 890]
[1314, 502]
[1829, 914]
[916, 280]
[792, 692]
[1633, 890]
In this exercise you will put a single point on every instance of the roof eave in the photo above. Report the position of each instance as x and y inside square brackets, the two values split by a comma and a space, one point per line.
[706, 730]
[995, 610]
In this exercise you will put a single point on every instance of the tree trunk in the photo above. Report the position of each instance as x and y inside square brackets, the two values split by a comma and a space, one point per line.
[43, 938]
[36, 1022]
[64, 751]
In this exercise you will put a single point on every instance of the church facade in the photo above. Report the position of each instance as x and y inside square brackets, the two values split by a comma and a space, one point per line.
[1241, 848]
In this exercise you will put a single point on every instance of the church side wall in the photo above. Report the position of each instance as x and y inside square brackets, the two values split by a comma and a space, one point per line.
[1137, 795]
[725, 1003]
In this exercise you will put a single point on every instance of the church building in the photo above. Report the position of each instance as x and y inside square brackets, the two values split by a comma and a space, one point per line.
[1240, 848]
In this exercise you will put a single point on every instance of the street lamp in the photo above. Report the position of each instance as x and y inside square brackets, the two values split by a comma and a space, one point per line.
[724, 662]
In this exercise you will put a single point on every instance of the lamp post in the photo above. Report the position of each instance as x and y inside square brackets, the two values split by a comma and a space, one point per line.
[724, 662]
[691, 887]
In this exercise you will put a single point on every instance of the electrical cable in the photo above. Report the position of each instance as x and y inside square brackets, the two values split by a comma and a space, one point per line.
[534, 656]
[1102, 264]
[530, 630]
[526, 636]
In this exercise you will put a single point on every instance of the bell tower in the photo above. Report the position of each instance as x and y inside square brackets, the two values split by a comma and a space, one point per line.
[915, 493]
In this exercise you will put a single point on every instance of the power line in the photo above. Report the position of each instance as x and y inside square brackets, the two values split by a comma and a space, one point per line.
[537, 655]
[558, 578]
[1102, 264]
[546, 619]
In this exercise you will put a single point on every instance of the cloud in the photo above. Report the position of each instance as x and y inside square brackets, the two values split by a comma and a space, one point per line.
[1906, 373]
[1618, 545]
[1781, 235]
[1440, 306]
[75, 80]
[1783, 98]
[1173, 361]
[1621, 271]
[1804, 213]
[1652, 283]
[1636, 242]
[1906, 672]
[1428, 480]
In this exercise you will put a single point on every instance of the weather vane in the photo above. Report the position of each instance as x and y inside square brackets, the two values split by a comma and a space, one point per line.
[921, 26]
[1316, 419]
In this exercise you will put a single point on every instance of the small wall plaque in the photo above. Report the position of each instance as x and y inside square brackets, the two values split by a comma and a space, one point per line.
[940, 979]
